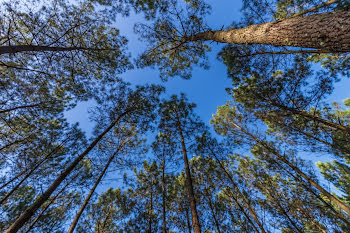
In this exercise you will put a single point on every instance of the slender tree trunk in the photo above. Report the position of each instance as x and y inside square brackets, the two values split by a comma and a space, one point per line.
[246, 201]
[309, 116]
[277, 201]
[46, 207]
[19, 107]
[242, 210]
[37, 165]
[307, 187]
[315, 223]
[163, 197]
[150, 209]
[299, 172]
[38, 48]
[326, 31]
[213, 212]
[87, 199]
[193, 205]
[13, 179]
[29, 212]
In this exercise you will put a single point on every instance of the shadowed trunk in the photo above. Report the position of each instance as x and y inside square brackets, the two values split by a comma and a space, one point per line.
[189, 185]
[30, 211]
[332, 198]
[87, 199]
[38, 48]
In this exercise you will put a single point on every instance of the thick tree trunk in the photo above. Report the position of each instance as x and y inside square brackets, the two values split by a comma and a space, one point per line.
[329, 32]
[29, 212]
[332, 198]
[87, 199]
[192, 200]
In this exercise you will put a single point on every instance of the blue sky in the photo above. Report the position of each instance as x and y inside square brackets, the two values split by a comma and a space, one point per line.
[206, 87]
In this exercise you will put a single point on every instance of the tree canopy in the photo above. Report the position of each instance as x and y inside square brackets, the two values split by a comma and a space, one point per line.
[150, 163]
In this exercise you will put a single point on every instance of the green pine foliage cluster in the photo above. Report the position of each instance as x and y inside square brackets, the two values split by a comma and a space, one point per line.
[151, 164]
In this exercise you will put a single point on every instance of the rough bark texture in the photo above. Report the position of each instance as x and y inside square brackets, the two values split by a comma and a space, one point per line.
[29, 212]
[329, 32]
[193, 205]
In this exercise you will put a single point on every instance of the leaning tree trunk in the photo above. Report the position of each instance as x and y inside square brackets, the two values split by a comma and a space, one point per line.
[30, 211]
[332, 198]
[192, 200]
[163, 197]
[87, 199]
[327, 32]
[42, 48]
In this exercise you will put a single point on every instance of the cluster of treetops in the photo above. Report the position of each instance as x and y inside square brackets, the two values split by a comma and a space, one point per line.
[151, 164]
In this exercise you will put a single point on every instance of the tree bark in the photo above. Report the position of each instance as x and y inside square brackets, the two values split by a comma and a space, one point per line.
[87, 199]
[326, 31]
[192, 200]
[332, 198]
[29, 212]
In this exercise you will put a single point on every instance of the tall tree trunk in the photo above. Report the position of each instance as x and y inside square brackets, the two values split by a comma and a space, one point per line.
[328, 32]
[299, 172]
[307, 187]
[188, 220]
[327, 123]
[150, 209]
[228, 194]
[192, 200]
[212, 211]
[46, 207]
[29, 212]
[246, 201]
[12, 179]
[37, 165]
[277, 201]
[163, 197]
[87, 199]
[39, 48]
